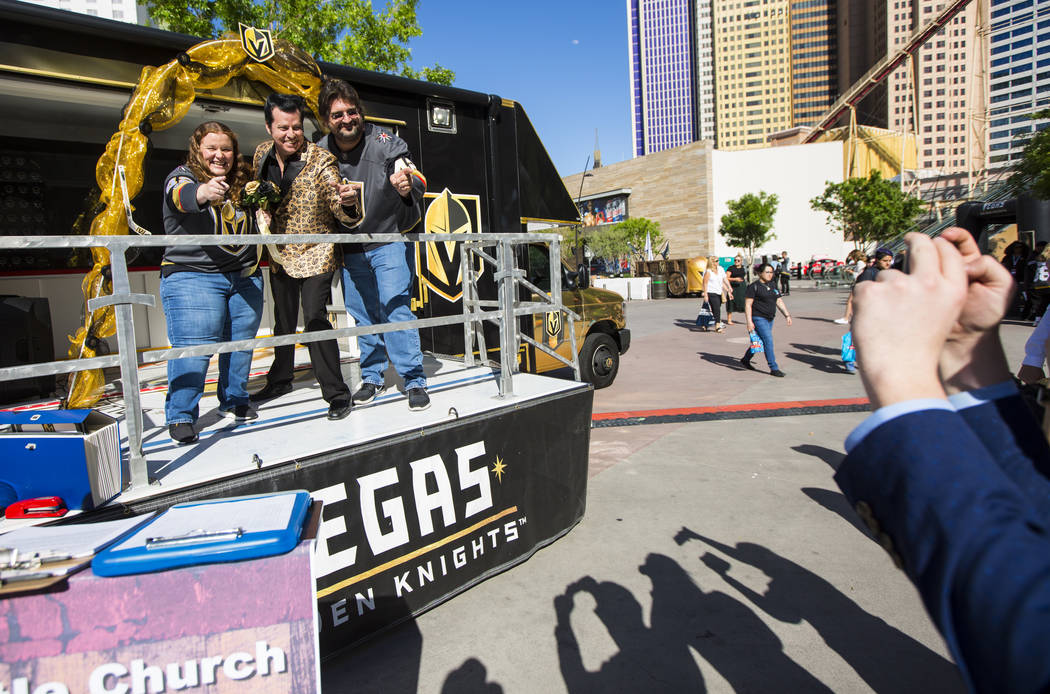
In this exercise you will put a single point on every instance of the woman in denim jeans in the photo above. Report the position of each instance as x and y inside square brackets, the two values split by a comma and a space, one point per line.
[210, 293]
[760, 307]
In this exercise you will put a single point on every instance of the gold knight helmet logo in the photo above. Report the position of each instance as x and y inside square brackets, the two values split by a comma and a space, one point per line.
[553, 323]
[438, 267]
[257, 43]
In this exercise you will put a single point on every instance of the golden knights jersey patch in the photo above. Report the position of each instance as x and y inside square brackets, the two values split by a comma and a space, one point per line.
[229, 221]
[438, 263]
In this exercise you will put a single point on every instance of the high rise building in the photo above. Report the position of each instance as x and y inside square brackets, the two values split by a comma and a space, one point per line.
[670, 73]
[814, 73]
[123, 10]
[752, 41]
[939, 95]
[737, 71]
[1020, 75]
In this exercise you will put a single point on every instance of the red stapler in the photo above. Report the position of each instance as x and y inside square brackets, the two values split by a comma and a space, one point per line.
[42, 507]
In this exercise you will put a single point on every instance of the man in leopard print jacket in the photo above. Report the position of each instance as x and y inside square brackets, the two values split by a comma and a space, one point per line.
[312, 199]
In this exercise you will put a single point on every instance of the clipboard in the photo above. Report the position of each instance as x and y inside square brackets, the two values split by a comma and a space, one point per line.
[206, 532]
[40, 557]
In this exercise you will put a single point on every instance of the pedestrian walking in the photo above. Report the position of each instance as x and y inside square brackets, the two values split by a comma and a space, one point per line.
[785, 274]
[716, 284]
[738, 281]
[760, 307]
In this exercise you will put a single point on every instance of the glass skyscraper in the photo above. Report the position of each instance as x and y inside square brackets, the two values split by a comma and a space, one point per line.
[670, 80]
[1019, 82]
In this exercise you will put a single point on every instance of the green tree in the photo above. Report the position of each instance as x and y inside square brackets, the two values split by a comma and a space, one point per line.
[608, 242]
[868, 210]
[623, 240]
[348, 32]
[1034, 168]
[634, 232]
[749, 222]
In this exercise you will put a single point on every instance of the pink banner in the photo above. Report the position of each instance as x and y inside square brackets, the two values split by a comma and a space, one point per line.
[240, 627]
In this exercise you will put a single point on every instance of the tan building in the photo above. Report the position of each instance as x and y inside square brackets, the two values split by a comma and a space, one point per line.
[752, 42]
[687, 190]
[671, 187]
[941, 98]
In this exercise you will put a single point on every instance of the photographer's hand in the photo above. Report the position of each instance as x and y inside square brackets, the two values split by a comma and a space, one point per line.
[973, 355]
[901, 322]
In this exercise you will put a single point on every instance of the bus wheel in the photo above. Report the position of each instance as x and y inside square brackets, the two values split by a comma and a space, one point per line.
[599, 360]
[676, 285]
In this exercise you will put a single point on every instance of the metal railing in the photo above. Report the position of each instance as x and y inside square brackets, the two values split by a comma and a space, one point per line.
[509, 308]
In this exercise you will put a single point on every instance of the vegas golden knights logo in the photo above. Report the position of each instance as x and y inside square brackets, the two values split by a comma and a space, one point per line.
[553, 323]
[257, 43]
[438, 263]
[229, 223]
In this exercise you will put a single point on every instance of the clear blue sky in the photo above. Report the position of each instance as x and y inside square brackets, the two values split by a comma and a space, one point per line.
[564, 62]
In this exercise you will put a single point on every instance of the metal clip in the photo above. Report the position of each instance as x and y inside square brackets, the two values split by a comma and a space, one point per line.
[194, 537]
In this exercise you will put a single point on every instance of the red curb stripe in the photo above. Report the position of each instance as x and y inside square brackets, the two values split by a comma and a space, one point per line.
[750, 407]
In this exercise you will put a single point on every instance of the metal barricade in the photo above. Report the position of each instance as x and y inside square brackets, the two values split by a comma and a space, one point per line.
[507, 307]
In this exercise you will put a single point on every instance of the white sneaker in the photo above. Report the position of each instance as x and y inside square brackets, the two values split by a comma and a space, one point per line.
[841, 321]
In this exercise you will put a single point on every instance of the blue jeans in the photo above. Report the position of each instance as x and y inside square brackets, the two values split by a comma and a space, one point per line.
[203, 308]
[377, 287]
[764, 328]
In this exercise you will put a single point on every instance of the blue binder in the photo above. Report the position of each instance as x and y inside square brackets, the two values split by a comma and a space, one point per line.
[206, 532]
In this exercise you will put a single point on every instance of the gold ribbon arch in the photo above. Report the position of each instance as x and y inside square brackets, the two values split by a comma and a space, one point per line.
[161, 99]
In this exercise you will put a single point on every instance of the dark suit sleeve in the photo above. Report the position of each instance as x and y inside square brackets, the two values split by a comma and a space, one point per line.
[972, 542]
[1010, 433]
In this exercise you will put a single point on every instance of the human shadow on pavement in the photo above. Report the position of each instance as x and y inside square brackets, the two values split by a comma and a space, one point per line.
[817, 349]
[690, 325]
[816, 319]
[825, 364]
[838, 504]
[649, 659]
[887, 659]
[723, 360]
[829, 455]
[722, 630]
[470, 677]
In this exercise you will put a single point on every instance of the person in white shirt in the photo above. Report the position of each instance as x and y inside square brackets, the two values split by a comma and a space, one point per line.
[716, 283]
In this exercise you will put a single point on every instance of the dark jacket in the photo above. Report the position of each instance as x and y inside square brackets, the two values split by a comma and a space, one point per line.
[371, 164]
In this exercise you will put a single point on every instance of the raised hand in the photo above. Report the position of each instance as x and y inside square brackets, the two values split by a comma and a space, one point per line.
[212, 190]
[973, 355]
[402, 182]
[901, 322]
[348, 195]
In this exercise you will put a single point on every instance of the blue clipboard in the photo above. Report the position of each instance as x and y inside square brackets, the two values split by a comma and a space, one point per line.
[206, 532]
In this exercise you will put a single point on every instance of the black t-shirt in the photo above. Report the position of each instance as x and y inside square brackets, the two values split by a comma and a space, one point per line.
[765, 299]
[737, 272]
[869, 273]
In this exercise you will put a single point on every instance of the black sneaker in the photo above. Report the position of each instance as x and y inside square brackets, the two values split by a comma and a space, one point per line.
[339, 409]
[777, 372]
[367, 393]
[418, 400]
[239, 413]
[746, 363]
[182, 433]
[271, 391]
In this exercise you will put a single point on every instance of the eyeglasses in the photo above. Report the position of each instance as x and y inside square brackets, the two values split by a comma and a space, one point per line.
[340, 115]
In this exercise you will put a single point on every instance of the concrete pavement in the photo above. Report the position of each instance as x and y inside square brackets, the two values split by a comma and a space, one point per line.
[714, 556]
